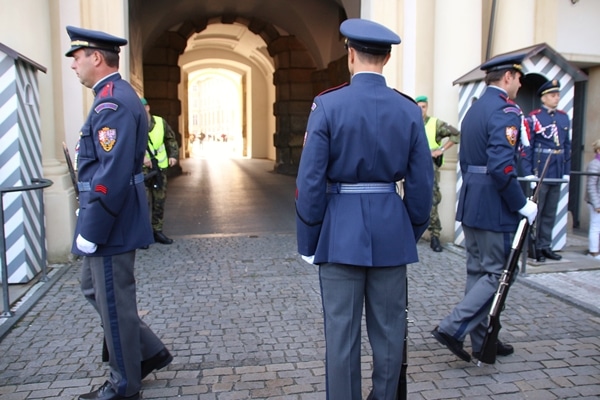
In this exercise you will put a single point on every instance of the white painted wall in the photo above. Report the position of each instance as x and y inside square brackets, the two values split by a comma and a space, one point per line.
[577, 29]
[427, 63]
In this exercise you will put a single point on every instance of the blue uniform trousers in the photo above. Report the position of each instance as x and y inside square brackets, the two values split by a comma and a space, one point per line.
[486, 255]
[343, 290]
[548, 198]
[108, 283]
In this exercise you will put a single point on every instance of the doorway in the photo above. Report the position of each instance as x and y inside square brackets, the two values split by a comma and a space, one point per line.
[215, 114]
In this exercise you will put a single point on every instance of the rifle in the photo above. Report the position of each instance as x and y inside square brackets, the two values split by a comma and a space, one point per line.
[402, 393]
[71, 170]
[490, 341]
[153, 179]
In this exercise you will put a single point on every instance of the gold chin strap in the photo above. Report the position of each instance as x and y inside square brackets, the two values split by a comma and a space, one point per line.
[92, 45]
[80, 43]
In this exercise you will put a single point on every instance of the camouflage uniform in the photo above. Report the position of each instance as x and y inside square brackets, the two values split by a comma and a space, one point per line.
[443, 130]
[157, 194]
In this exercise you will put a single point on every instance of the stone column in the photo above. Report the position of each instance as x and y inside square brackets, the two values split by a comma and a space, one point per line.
[389, 13]
[447, 66]
[162, 76]
[514, 25]
[293, 97]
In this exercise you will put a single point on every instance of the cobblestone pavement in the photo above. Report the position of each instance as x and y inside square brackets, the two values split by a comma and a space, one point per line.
[582, 287]
[241, 313]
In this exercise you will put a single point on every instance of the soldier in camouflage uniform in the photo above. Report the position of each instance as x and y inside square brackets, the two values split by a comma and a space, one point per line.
[162, 153]
[436, 130]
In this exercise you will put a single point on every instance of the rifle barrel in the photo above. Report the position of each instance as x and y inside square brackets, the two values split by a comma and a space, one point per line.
[488, 348]
[72, 173]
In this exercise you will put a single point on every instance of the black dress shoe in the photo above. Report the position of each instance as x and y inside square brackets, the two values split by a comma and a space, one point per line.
[548, 253]
[539, 256]
[452, 344]
[106, 392]
[502, 349]
[157, 361]
[161, 238]
[435, 244]
[146, 247]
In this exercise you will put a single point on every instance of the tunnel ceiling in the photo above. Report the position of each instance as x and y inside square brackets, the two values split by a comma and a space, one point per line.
[231, 38]
[310, 21]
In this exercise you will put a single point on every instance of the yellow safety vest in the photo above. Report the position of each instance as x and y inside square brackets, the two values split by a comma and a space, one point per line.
[156, 141]
[431, 131]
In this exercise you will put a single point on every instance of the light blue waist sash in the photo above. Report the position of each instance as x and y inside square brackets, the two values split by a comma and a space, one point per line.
[86, 187]
[361, 187]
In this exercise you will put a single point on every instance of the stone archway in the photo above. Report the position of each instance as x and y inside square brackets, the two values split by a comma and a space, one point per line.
[296, 79]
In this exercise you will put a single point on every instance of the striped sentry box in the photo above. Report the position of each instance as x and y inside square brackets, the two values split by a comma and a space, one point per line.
[20, 162]
[539, 63]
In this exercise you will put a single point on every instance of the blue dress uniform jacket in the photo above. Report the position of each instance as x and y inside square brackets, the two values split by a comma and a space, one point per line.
[113, 211]
[549, 131]
[490, 195]
[380, 139]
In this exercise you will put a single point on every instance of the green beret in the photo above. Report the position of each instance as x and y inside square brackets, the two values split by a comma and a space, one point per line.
[421, 99]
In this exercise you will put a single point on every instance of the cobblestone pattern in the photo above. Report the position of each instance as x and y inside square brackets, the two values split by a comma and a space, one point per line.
[581, 286]
[242, 316]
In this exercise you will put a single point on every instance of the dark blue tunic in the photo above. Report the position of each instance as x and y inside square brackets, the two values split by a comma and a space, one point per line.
[379, 138]
[113, 212]
[490, 195]
[549, 131]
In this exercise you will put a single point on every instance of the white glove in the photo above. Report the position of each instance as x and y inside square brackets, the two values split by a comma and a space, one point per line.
[532, 184]
[77, 212]
[85, 245]
[529, 210]
[567, 177]
[309, 259]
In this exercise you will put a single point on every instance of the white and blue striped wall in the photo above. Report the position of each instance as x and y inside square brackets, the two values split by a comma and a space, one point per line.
[469, 92]
[20, 162]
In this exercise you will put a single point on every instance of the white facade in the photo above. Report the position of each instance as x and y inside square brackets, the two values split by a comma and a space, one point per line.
[441, 40]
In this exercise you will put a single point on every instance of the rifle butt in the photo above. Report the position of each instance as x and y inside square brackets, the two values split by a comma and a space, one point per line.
[402, 392]
[490, 344]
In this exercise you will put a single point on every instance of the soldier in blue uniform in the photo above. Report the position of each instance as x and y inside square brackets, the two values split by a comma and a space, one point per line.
[361, 139]
[490, 203]
[113, 212]
[549, 130]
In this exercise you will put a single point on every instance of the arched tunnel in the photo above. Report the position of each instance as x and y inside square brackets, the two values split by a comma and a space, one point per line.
[271, 57]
